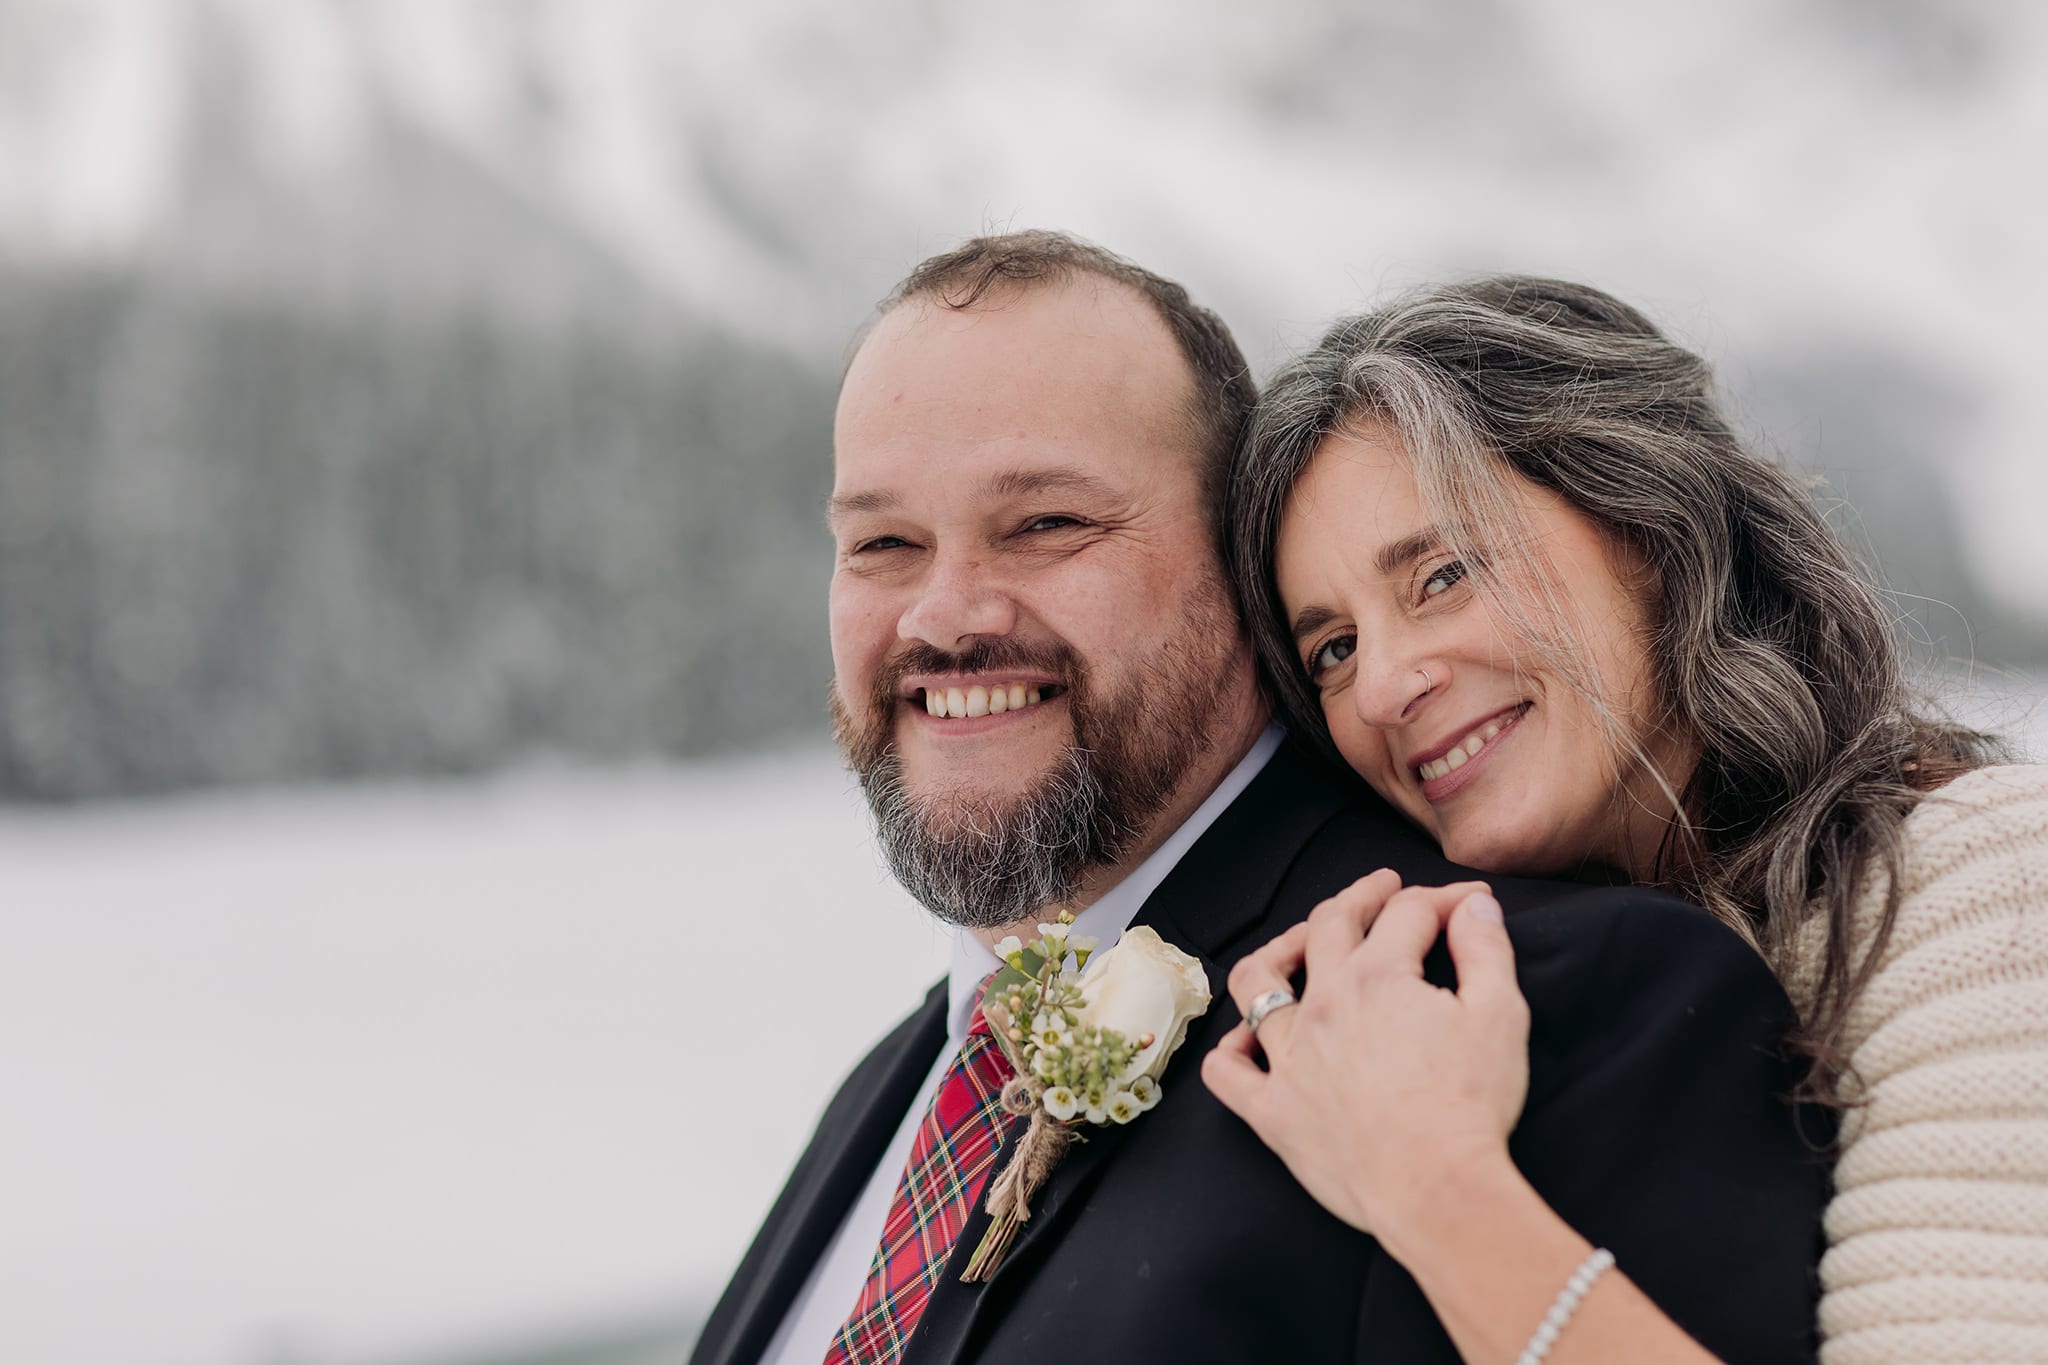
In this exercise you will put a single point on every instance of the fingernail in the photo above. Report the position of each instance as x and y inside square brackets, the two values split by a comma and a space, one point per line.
[1481, 906]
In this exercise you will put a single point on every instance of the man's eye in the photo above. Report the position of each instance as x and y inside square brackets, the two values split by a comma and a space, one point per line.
[1053, 522]
[880, 543]
[1332, 653]
[1444, 579]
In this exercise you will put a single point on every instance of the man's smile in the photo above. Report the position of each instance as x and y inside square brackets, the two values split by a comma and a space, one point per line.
[964, 700]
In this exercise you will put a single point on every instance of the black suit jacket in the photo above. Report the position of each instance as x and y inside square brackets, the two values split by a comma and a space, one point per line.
[1655, 1125]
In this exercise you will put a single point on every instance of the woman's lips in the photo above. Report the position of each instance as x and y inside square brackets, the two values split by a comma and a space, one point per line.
[1459, 767]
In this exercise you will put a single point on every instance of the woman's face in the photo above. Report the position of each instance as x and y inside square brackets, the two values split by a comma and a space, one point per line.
[1443, 704]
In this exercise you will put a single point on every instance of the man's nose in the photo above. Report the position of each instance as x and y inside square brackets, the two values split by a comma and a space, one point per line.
[961, 598]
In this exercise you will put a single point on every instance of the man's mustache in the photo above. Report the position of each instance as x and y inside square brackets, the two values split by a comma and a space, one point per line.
[998, 655]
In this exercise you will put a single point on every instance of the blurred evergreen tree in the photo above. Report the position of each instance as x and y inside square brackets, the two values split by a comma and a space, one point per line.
[246, 542]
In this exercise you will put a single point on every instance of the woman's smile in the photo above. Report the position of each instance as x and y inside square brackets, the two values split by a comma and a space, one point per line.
[1447, 768]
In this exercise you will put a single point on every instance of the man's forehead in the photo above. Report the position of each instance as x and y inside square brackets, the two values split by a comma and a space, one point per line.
[1064, 347]
[1084, 378]
[1081, 306]
[997, 484]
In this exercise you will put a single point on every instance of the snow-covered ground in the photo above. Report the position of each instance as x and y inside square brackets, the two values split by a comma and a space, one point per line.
[352, 1075]
[365, 1075]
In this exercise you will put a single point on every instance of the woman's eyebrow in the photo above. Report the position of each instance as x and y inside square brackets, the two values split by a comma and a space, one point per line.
[1312, 619]
[1412, 546]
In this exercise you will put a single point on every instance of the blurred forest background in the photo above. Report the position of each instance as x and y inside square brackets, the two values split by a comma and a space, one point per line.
[414, 425]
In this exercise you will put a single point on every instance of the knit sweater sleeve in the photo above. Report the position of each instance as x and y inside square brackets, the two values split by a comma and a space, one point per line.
[1938, 1232]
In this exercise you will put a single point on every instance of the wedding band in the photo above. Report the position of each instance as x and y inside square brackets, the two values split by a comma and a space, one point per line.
[1265, 1005]
[1428, 685]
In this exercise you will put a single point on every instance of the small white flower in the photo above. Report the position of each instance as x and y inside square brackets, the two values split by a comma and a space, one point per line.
[1043, 1063]
[1097, 1116]
[1010, 949]
[1123, 1106]
[1056, 934]
[1061, 1103]
[1146, 1092]
[1084, 943]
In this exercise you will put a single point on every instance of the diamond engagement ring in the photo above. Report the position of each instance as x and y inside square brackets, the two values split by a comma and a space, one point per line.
[1265, 1005]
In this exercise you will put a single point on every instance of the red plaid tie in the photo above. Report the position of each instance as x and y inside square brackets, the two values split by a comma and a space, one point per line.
[949, 1162]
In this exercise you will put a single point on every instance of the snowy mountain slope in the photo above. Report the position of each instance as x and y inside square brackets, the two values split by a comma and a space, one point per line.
[441, 279]
[744, 159]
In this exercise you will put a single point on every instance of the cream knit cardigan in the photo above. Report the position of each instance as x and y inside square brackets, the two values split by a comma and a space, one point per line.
[1938, 1232]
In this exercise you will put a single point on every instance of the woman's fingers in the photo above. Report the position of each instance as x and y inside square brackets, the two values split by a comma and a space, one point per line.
[1271, 968]
[1484, 956]
[1373, 923]
[1233, 1075]
[1336, 926]
[1407, 928]
[1378, 1073]
[1332, 931]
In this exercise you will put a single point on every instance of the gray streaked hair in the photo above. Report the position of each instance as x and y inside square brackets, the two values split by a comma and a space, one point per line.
[1773, 651]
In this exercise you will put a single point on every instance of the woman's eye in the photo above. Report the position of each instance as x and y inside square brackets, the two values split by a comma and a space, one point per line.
[1444, 579]
[1332, 653]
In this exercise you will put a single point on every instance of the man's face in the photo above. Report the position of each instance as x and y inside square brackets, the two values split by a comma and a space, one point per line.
[1019, 518]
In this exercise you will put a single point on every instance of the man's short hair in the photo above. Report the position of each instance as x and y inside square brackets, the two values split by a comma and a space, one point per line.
[1222, 393]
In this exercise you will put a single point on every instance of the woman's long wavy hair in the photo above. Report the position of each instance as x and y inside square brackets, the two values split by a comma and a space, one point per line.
[1774, 652]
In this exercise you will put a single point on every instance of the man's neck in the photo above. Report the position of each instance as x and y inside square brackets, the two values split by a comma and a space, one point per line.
[1202, 778]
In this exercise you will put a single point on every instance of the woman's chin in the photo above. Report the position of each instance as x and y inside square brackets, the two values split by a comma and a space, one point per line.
[1541, 858]
[1506, 857]
[1492, 843]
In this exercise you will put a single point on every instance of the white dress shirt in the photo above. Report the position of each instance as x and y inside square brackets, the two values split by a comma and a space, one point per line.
[835, 1282]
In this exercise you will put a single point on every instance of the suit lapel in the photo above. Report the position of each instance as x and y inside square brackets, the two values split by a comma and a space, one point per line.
[851, 1136]
[1215, 896]
[1222, 888]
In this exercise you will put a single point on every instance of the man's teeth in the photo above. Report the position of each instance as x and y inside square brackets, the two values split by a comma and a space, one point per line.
[962, 702]
[1464, 753]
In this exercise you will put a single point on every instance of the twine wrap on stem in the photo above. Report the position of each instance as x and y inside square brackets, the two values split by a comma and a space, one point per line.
[1009, 1195]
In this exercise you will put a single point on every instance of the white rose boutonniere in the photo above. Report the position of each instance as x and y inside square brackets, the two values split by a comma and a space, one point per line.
[1088, 1043]
[1144, 988]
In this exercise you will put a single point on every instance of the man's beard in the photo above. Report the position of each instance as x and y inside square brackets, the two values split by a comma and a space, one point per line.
[984, 861]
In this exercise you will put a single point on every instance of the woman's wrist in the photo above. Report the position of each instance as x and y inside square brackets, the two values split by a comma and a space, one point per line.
[1463, 1191]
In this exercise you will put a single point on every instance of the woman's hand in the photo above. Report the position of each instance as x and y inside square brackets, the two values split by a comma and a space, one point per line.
[1378, 1085]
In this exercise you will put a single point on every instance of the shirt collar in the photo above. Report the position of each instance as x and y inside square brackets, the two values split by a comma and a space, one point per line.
[1108, 917]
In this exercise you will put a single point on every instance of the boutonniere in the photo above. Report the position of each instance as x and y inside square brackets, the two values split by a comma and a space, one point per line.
[1089, 1034]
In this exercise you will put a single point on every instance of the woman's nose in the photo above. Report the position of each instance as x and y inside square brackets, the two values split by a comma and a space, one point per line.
[1389, 692]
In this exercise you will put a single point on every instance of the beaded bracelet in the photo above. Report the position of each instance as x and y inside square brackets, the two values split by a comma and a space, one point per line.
[1591, 1269]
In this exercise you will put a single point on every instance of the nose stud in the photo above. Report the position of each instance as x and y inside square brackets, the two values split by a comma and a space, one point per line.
[1427, 685]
